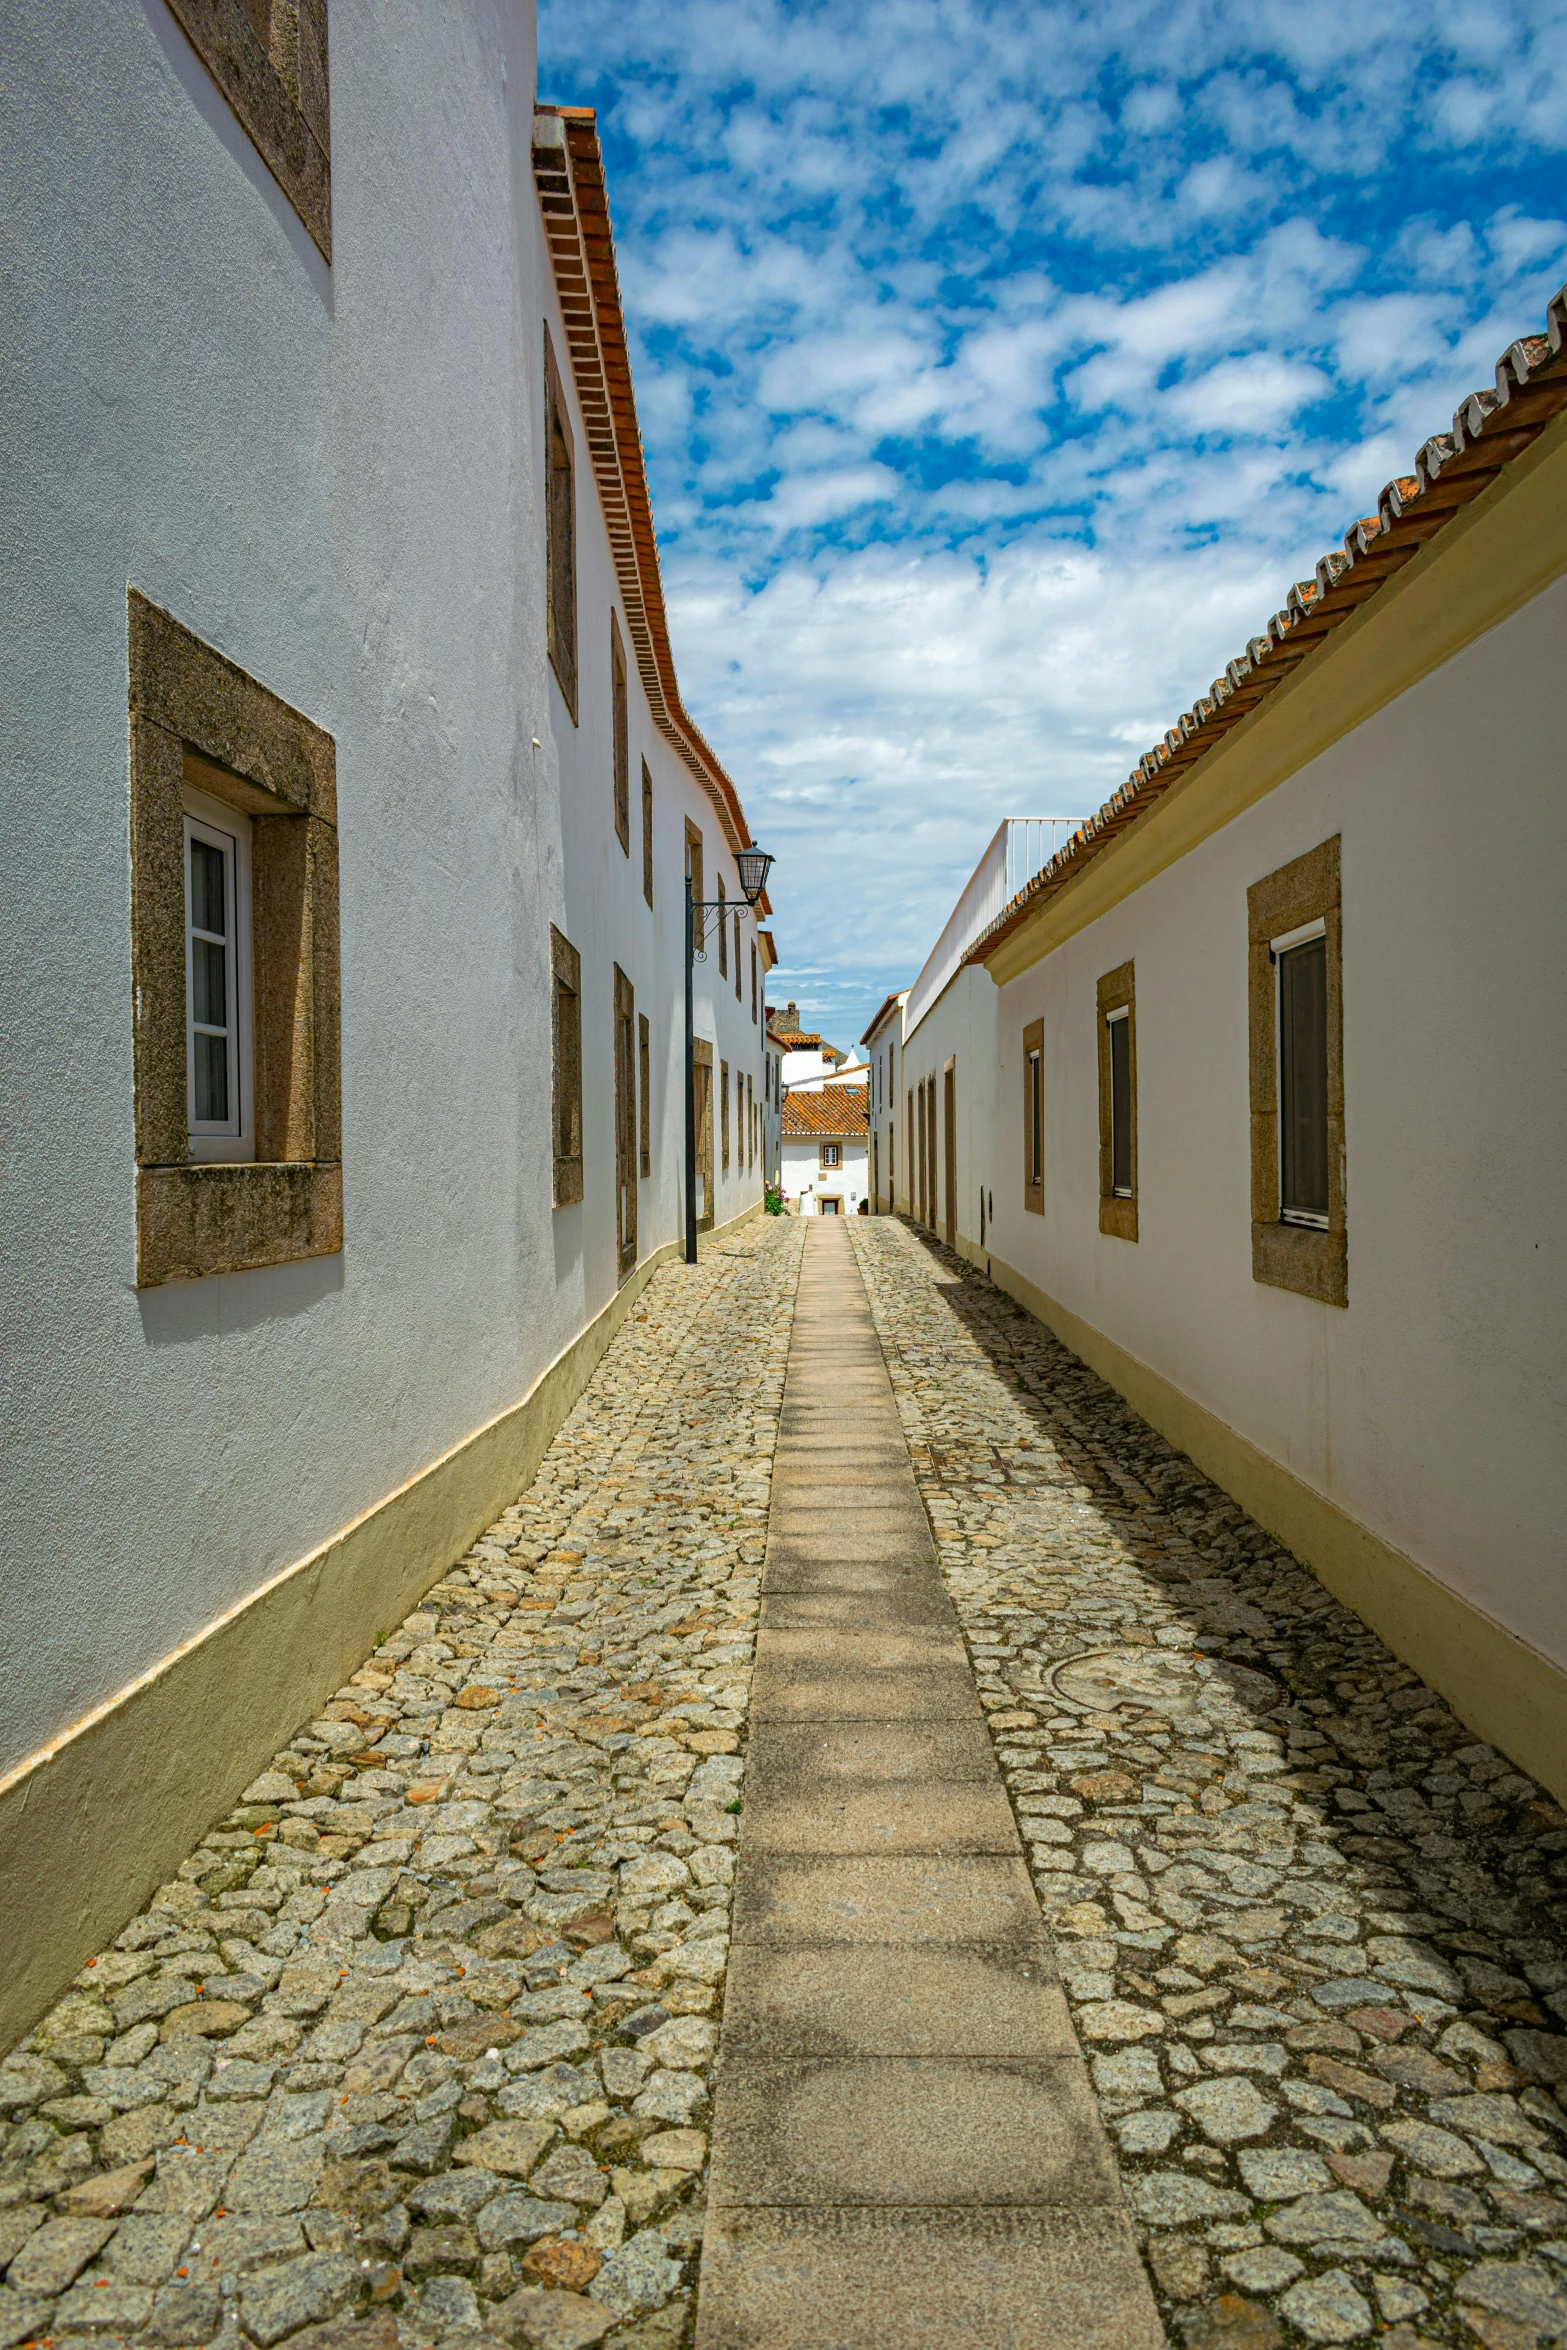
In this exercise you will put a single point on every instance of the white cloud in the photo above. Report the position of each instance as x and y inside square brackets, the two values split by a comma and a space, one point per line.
[999, 369]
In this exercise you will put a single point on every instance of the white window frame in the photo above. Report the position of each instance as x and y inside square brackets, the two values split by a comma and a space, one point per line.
[226, 1141]
[1278, 948]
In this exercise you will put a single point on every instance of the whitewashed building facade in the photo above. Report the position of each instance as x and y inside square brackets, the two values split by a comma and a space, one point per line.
[351, 804]
[1255, 1092]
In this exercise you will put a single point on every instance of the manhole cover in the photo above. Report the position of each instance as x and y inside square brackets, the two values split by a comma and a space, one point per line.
[1168, 1679]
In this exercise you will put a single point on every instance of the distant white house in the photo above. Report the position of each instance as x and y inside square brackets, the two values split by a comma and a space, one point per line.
[826, 1142]
[806, 1056]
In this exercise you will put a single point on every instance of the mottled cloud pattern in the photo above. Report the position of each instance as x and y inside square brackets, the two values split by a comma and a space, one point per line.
[1000, 367]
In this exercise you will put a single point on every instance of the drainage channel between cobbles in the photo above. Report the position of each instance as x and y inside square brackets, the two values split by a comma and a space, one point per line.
[1313, 1933]
[416, 2048]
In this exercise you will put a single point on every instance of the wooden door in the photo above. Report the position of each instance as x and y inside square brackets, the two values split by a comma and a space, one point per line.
[625, 1122]
[703, 1054]
[950, 1147]
[919, 1104]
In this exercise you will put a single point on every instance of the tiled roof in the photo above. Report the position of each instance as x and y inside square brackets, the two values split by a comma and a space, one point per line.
[838, 1110]
[1488, 431]
[568, 170]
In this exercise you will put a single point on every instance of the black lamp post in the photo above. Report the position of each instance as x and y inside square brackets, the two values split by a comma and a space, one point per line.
[754, 866]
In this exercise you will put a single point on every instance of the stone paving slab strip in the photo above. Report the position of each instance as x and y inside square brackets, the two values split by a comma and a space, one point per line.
[898, 2053]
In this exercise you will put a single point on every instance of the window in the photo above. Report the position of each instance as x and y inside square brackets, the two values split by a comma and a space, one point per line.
[234, 965]
[1299, 1236]
[723, 933]
[753, 983]
[1118, 1103]
[566, 1089]
[645, 1130]
[619, 727]
[750, 1122]
[625, 1122]
[832, 1154]
[560, 532]
[647, 834]
[723, 1105]
[1119, 1023]
[694, 869]
[739, 989]
[1302, 966]
[1034, 1117]
[269, 59]
[217, 980]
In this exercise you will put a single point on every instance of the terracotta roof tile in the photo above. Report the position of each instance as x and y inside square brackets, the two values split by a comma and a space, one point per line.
[569, 176]
[1489, 429]
[837, 1110]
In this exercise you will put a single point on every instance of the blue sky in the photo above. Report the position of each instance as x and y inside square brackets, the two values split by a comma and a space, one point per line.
[1000, 367]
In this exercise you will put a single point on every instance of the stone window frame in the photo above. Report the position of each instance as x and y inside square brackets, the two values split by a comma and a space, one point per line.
[198, 719]
[1304, 1258]
[1034, 1183]
[739, 970]
[723, 931]
[277, 84]
[1116, 991]
[566, 1068]
[560, 531]
[620, 730]
[830, 1154]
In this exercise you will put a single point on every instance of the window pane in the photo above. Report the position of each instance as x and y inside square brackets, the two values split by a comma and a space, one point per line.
[212, 1078]
[207, 894]
[209, 982]
[1303, 1079]
[1121, 1108]
[1035, 1121]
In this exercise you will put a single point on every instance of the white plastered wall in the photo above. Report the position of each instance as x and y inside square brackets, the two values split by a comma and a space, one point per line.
[333, 476]
[1431, 1409]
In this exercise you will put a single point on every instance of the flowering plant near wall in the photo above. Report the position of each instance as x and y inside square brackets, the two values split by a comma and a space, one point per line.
[773, 1199]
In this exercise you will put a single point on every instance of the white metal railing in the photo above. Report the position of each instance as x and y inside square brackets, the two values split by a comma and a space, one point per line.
[1022, 847]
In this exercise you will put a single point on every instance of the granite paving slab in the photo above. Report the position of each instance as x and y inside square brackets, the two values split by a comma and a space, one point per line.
[906, 2145]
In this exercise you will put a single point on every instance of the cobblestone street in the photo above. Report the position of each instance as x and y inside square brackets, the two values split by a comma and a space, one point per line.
[424, 2028]
[1311, 1933]
[417, 2048]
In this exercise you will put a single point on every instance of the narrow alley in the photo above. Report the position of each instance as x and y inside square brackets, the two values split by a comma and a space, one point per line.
[1243, 2023]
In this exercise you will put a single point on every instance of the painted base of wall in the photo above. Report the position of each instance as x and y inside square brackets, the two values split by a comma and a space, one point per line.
[93, 1824]
[1505, 1691]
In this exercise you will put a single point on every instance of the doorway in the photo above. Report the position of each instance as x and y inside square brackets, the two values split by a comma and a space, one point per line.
[949, 1121]
[702, 1055]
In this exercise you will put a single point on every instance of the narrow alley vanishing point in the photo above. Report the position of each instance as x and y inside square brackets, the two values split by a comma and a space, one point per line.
[1125, 1946]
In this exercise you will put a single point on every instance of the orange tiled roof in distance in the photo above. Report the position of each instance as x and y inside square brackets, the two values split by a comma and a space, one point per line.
[840, 1110]
[1489, 429]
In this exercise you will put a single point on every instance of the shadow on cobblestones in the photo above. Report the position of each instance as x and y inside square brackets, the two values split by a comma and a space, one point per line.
[1314, 1935]
[415, 2048]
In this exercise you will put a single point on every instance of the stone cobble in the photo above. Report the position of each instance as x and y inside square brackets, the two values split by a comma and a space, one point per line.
[1313, 1933]
[417, 2045]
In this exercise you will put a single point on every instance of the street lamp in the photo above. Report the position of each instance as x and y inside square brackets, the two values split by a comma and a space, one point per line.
[754, 866]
